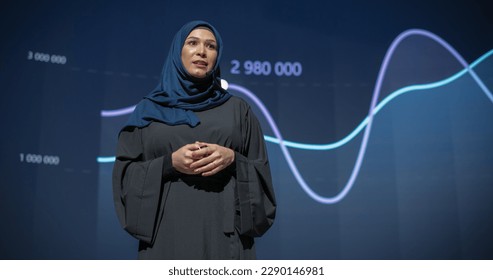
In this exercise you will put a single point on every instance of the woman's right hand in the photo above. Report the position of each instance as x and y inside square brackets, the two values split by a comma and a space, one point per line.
[183, 157]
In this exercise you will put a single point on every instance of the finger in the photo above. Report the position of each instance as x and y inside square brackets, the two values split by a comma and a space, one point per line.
[212, 172]
[204, 151]
[193, 147]
[203, 144]
[202, 167]
[199, 154]
[186, 151]
[189, 155]
[208, 167]
[205, 159]
[200, 146]
[216, 168]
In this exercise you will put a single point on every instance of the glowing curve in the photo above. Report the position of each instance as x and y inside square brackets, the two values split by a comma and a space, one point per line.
[381, 105]
[366, 122]
[118, 112]
[369, 119]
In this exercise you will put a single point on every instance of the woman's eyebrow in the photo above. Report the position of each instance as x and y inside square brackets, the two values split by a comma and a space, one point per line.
[196, 38]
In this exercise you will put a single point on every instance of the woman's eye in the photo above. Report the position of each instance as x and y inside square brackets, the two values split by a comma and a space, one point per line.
[212, 46]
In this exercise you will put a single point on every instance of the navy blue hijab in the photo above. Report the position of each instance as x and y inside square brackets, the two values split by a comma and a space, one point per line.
[178, 94]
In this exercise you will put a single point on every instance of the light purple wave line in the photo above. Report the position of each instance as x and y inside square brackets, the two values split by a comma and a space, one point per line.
[376, 92]
[117, 112]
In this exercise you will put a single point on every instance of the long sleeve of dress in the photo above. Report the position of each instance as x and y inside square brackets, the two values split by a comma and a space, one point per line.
[138, 186]
[257, 203]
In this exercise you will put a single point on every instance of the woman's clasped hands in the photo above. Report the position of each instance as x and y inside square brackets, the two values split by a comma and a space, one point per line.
[202, 158]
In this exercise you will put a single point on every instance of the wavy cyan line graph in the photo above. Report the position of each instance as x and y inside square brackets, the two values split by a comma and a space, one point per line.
[365, 124]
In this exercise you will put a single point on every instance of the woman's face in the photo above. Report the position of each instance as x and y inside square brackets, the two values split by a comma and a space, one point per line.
[199, 53]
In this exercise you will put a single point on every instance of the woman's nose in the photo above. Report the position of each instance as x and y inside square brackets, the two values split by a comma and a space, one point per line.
[201, 50]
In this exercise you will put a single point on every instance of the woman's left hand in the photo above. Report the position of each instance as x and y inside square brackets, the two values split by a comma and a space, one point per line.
[214, 158]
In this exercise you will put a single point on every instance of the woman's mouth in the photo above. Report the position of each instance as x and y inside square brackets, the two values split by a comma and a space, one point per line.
[200, 64]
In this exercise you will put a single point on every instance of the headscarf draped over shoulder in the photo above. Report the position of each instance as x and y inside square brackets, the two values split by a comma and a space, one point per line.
[178, 94]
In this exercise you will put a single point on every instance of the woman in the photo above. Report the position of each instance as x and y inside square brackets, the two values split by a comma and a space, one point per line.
[191, 178]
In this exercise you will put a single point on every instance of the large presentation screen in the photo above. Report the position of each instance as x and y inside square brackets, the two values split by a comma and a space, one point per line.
[377, 115]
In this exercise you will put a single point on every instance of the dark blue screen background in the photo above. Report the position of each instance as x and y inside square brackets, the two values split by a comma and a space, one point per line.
[421, 186]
